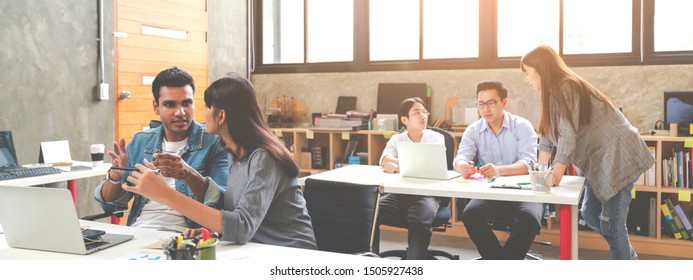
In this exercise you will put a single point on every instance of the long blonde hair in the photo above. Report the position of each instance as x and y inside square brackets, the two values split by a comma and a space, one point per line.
[554, 74]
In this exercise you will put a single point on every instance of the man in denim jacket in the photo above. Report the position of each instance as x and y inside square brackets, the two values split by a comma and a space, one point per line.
[187, 157]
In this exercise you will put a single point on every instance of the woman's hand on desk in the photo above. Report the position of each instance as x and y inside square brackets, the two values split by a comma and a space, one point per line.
[558, 171]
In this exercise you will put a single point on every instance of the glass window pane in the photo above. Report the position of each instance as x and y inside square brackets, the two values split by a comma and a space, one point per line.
[394, 32]
[524, 25]
[330, 30]
[673, 25]
[451, 28]
[597, 26]
[282, 31]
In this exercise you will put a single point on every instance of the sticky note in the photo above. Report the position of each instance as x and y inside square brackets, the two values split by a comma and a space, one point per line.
[688, 143]
[387, 135]
[310, 134]
[465, 181]
[684, 196]
[345, 135]
[278, 133]
[632, 193]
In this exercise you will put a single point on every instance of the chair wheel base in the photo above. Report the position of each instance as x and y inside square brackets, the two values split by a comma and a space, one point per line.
[432, 255]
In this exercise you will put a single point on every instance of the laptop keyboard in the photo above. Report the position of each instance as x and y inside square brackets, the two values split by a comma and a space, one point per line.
[9, 174]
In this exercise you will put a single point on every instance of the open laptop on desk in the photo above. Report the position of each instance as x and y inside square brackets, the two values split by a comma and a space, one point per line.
[45, 219]
[9, 166]
[424, 160]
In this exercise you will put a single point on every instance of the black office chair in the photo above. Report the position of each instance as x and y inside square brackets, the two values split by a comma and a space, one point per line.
[343, 215]
[154, 123]
[442, 219]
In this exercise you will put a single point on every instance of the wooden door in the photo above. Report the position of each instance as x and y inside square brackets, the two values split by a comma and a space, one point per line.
[159, 34]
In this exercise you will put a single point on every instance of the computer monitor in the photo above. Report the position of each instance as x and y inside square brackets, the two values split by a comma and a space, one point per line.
[390, 95]
[8, 156]
[678, 108]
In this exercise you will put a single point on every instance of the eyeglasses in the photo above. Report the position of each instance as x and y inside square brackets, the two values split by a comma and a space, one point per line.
[420, 113]
[490, 104]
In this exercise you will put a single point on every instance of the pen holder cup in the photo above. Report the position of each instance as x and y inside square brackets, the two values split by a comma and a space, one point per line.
[205, 253]
[541, 180]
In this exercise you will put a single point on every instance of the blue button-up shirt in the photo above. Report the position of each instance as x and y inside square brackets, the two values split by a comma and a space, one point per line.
[515, 142]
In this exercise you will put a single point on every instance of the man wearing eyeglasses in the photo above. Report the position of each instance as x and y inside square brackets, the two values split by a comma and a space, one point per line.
[417, 212]
[504, 145]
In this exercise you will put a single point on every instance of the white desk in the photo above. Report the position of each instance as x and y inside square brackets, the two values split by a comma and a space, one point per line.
[145, 238]
[60, 177]
[67, 176]
[567, 194]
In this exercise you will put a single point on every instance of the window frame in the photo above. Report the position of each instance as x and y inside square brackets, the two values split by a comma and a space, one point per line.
[487, 59]
[650, 57]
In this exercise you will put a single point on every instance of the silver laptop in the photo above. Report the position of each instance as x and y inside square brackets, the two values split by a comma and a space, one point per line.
[46, 219]
[424, 160]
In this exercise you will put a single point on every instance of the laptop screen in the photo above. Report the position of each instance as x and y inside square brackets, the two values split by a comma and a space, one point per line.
[8, 156]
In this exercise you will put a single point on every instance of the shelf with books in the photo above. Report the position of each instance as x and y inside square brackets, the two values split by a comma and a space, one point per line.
[667, 151]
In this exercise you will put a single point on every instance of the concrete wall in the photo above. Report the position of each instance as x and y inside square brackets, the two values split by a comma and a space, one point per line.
[638, 89]
[227, 38]
[49, 65]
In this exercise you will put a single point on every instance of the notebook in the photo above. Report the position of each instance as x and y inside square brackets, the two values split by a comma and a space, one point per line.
[9, 165]
[46, 219]
[424, 160]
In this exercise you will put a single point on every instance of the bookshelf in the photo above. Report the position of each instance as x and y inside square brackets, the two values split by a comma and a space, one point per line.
[373, 143]
[658, 243]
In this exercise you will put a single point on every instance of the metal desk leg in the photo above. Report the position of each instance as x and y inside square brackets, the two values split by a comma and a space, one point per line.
[71, 186]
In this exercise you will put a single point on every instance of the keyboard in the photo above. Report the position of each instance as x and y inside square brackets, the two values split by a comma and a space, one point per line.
[9, 174]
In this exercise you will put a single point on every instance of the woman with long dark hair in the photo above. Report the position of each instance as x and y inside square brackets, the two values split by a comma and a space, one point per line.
[588, 130]
[263, 201]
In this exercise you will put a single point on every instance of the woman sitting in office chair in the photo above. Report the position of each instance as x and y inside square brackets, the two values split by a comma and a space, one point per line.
[263, 201]
[418, 211]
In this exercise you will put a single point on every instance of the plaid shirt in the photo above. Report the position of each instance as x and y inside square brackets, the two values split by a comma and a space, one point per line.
[608, 150]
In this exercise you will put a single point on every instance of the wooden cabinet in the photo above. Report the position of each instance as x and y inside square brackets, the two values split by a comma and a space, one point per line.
[335, 142]
[373, 143]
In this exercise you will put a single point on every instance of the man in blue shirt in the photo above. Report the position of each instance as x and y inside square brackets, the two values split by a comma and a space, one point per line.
[186, 155]
[504, 145]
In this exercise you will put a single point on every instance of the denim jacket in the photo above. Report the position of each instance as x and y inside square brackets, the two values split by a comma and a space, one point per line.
[204, 152]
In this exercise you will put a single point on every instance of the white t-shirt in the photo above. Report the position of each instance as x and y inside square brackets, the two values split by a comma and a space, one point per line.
[158, 216]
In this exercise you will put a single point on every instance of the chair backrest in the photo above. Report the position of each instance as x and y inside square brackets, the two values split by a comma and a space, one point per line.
[154, 123]
[343, 214]
[450, 149]
[450, 153]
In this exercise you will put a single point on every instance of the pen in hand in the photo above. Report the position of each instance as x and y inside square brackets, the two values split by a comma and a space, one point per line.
[127, 168]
